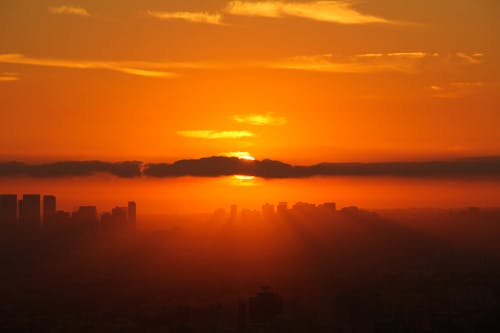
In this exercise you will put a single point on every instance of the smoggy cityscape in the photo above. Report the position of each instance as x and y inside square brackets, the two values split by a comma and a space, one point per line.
[284, 268]
[249, 166]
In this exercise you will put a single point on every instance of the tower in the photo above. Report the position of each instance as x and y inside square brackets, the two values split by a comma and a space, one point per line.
[8, 209]
[31, 210]
[233, 212]
[132, 213]
[49, 207]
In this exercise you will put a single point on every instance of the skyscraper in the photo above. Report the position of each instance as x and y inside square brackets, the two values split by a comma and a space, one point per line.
[8, 209]
[20, 210]
[233, 215]
[132, 213]
[85, 216]
[331, 206]
[265, 306]
[49, 207]
[268, 211]
[119, 216]
[282, 208]
[31, 210]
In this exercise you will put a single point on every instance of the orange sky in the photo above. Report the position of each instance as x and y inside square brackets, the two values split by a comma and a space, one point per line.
[296, 81]
[371, 80]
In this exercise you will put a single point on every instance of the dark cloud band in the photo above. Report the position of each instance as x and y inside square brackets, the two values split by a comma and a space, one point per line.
[226, 166]
[71, 168]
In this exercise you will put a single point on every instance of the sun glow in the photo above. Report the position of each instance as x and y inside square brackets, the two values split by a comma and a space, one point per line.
[243, 180]
[242, 155]
[244, 177]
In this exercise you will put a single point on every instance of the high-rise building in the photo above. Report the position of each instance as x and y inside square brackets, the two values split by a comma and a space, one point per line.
[31, 210]
[265, 306]
[8, 209]
[49, 207]
[233, 215]
[331, 206]
[282, 208]
[132, 213]
[119, 216]
[268, 211]
[303, 207]
[20, 210]
[85, 215]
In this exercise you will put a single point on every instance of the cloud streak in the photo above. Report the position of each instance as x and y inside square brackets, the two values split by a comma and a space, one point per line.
[270, 119]
[69, 10]
[121, 67]
[325, 11]
[194, 17]
[212, 135]
[472, 59]
[6, 77]
[402, 62]
[405, 62]
[455, 89]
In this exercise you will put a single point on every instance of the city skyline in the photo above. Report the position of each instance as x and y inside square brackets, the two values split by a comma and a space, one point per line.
[34, 211]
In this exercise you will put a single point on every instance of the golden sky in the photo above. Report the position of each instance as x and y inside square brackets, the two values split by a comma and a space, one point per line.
[298, 81]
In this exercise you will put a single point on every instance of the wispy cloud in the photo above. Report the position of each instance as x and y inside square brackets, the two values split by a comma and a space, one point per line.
[195, 17]
[122, 67]
[69, 10]
[211, 134]
[473, 59]
[362, 63]
[269, 118]
[455, 89]
[404, 62]
[411, 55]
[326, 11]
[8, 77]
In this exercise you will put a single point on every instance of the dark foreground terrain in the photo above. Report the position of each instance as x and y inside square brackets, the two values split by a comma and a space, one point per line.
[305, 270]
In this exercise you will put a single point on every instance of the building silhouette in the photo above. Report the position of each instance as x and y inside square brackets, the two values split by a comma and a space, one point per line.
[107, 220]
[60, 219]
[265, 306]
[30, 210]
[8, 209]
[132, 213]
[304, 207]
[49, 208]
[85, 216]
[120, 214]
[330, 206]
[233, 213]
[282, 208]
[20, 210]
[119, 217]
[268, 211]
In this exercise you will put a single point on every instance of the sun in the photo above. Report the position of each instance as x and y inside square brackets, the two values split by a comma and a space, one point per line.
[247, 158]
[244, 177]
[242, 155]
